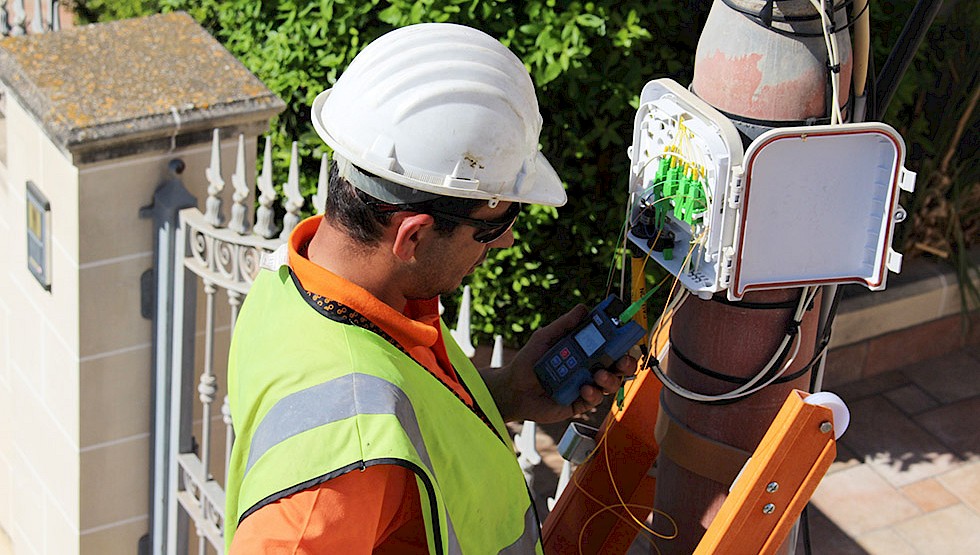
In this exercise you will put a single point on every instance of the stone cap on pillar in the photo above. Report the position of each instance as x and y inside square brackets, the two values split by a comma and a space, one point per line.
[107, 90]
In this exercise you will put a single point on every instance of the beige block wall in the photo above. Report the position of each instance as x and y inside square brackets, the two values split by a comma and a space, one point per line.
[39, 460]
[75, 363]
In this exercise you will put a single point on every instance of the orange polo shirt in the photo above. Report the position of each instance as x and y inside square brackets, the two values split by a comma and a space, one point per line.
[376, 510]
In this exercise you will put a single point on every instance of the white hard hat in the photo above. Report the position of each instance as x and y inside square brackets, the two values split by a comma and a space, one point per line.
[441, 108]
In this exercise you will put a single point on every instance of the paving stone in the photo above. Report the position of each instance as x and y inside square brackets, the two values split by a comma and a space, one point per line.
[895, 446]
[911, 399]
[855, 391]
[964, 482]
[954, 530]
[929, 495]
[858, 500]
[885, 542]
[949, 378]
[956, 425]
[826, 537]
[845, 459]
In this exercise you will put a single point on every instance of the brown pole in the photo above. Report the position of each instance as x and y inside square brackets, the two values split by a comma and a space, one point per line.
[737, 341]
[760, 77]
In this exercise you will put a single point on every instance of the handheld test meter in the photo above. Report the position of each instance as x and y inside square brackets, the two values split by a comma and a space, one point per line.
[596, 343]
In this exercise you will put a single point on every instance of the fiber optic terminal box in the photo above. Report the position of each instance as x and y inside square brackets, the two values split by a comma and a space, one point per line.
[811, 205]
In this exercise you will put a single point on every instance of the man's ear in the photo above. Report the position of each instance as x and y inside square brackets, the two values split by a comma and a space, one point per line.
[409, 230]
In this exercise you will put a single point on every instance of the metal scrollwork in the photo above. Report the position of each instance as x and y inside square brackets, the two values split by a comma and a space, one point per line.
[222, 256]
[249, 260]
[200, 247]
[226, 260]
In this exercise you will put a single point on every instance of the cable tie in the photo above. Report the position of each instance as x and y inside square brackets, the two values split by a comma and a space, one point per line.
[793, 328]
[834, 68]
[765, 13]
[647, 362]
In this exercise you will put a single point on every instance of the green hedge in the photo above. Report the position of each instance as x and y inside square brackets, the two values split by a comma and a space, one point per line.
[589, 61]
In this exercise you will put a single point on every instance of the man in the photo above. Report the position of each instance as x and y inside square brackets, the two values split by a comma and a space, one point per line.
[360, 426]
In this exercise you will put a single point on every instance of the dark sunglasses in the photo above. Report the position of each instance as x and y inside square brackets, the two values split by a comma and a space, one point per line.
[487, 231]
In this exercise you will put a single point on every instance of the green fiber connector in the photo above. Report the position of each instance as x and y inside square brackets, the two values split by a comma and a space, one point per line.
[682, 209]
[672, 183]
[662, 170]
[656, 189]
[668, 254]
[659, 210]
[701, 202]
[679, 199]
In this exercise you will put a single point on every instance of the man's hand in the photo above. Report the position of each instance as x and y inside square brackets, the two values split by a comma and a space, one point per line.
[518, 393]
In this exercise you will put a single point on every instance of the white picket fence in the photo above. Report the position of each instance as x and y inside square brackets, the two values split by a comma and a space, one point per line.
[44, 17]
[192, 441]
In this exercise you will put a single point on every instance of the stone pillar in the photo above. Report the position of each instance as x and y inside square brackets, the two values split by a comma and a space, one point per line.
[93, 115]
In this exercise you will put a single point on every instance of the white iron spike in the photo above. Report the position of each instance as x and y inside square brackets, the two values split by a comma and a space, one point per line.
[526, 444]
[56, 17]
[20, 16]
[294, 199]
[213, 213]
[238, 178]
[462, 332]
[292, 182]
[37, 19]
[563, 478]
[239, 222]
[497, 356]
[213, 172]
[265, 179]
[322, 185]
[264, 225]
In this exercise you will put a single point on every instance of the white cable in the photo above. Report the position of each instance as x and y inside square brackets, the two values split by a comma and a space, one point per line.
[741, 391]
[673, 304]
[750, 387]
[833, 58]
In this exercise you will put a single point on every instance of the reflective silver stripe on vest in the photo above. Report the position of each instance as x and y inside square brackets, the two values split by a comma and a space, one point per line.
[528, 540]
[327, 403]
[318, 405]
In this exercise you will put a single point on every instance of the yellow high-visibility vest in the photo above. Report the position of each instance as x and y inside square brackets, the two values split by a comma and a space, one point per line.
[314, 396]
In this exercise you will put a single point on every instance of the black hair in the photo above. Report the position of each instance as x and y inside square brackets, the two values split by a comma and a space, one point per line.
[365, 222]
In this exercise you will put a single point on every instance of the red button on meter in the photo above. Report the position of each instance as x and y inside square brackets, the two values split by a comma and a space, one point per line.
[565, 352]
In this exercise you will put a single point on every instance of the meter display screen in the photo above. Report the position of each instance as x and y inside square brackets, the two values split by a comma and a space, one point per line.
[589, 339]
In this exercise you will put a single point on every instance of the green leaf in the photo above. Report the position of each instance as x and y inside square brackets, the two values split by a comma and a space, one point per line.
[589, 20]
